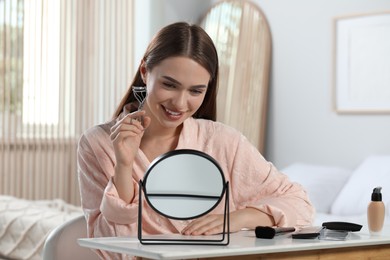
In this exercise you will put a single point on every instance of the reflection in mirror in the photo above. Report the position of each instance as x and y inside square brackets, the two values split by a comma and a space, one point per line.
[184, 184]
[242, 37]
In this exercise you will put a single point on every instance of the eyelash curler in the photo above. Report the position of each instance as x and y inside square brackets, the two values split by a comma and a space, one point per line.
[140, 95]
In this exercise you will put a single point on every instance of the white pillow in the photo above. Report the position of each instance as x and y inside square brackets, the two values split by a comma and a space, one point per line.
[356, 194]
[322, 183]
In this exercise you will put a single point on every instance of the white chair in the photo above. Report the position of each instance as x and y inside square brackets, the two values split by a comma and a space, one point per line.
[61, 244]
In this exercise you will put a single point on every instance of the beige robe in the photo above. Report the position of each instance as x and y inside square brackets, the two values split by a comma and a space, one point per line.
[254, 182]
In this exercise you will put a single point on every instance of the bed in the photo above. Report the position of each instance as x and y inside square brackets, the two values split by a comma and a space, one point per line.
[25, 224]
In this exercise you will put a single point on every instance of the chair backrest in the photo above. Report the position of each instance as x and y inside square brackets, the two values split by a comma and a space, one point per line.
[61, 244]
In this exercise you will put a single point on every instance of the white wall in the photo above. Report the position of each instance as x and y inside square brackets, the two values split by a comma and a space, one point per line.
[302, 126]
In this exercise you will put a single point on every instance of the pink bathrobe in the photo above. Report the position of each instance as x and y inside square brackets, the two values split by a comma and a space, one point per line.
[253, 181]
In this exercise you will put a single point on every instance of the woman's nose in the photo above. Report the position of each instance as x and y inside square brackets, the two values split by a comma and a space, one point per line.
[180, 100]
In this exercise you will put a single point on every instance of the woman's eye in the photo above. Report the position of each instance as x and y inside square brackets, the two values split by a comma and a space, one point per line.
[168, 85]
[196, 92]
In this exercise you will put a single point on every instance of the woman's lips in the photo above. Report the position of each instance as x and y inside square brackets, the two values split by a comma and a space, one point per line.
[173, 115]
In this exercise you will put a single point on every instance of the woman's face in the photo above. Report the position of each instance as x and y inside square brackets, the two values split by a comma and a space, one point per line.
[176, 89]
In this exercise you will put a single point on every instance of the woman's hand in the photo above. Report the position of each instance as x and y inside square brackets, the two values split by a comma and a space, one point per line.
[126, 137]
[213, 224]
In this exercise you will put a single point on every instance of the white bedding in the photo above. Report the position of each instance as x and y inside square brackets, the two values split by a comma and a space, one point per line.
[25, 224]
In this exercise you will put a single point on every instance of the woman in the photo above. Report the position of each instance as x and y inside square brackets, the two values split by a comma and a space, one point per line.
[180, 72]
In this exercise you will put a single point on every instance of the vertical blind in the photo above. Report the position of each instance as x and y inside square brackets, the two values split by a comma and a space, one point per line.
[64, 66]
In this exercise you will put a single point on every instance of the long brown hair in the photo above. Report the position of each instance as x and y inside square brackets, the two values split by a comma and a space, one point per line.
[181, 39]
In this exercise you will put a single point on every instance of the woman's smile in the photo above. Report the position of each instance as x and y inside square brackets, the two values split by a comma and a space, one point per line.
[176, 89]
[172, 115]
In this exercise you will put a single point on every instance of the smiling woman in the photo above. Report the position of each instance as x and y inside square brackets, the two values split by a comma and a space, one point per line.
[176, 89]
[180, 73]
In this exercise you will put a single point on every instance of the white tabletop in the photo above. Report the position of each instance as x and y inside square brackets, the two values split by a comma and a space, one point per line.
[241, 243]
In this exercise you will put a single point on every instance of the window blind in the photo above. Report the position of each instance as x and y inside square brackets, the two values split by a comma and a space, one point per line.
[64, 66]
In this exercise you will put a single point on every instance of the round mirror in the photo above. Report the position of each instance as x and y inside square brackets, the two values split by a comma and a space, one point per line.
[184, 184]
[242, 37]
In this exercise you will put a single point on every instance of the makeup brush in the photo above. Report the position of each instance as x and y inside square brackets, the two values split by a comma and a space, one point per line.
[270, 232]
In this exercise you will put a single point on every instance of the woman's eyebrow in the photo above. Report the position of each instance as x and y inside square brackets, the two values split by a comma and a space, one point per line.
[172, 79]
[198, 86]
[178, 83]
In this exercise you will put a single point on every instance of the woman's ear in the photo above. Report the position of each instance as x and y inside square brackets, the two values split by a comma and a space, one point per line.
[143, 71]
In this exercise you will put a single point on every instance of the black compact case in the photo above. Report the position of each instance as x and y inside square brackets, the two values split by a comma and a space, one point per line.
[342, 226]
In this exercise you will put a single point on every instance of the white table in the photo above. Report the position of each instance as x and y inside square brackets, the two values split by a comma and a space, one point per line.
[359, 244]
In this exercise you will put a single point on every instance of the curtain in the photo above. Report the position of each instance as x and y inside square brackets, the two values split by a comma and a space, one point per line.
[64, 66]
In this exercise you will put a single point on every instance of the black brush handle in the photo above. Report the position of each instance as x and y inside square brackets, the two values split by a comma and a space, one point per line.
[270, 232]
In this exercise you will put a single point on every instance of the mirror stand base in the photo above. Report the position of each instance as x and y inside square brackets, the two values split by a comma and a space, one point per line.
[181, 239]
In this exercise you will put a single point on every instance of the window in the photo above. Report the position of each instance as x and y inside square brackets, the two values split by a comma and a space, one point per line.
[64, 66]
[41, 63]
[11, 62]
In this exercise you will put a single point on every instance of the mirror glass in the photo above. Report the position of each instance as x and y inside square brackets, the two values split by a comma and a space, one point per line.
[184, 184]
[242, 37]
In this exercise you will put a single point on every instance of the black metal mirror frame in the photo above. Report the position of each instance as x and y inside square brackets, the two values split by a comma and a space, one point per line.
[224, 237]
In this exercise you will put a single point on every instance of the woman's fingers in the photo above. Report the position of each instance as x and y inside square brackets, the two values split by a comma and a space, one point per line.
[209, 225]
[126, 136]
[130, 128]
[135, 116]
[213, 224]
[147, 121]
[130, 122]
